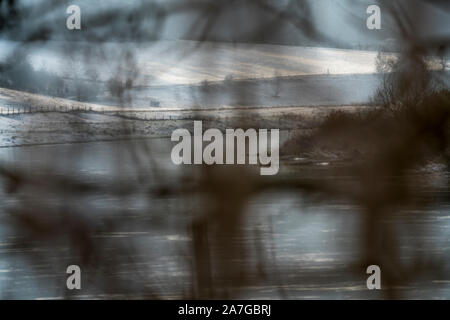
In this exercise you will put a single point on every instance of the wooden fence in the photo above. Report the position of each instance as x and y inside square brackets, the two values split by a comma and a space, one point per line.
[127, 114]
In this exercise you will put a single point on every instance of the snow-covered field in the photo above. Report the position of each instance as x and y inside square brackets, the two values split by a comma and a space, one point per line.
[187, 62]
[190, 74]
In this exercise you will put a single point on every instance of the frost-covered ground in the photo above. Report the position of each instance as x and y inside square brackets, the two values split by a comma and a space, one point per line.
[48, 120]
[56, 120]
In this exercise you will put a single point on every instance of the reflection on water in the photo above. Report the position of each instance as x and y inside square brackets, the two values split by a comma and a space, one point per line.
[309, 249]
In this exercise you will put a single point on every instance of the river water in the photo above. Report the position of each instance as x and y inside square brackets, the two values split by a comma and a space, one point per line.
[309, 247]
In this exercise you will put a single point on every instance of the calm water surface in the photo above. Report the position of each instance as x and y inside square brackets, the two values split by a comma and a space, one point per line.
[309, 247]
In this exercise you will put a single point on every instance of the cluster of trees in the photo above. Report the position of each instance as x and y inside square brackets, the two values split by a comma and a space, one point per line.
[19, 74]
